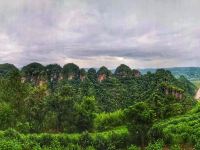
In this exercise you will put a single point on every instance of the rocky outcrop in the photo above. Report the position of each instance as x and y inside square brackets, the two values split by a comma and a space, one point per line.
[172, 90]
[197, 96]
[103, 73]
[136, 73]
[82, 77]
[101, 77]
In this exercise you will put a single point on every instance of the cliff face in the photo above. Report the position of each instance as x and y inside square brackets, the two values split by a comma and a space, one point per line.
[136, 73]
[173, 91]
[197, 96]
[82, 77]
[101, 77]
[35, 80]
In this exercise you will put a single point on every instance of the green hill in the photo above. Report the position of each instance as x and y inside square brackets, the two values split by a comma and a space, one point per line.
[183, 129]
[191, 73]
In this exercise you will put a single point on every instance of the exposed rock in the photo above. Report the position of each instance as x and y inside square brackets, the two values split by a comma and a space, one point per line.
[136, 73]
[82, 78]
[101, 77]
[173, 91]
[60, 78]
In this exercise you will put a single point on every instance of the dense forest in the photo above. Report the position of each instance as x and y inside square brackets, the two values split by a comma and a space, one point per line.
[70, 108]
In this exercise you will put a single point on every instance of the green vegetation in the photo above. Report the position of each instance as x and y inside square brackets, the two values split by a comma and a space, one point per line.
[191, 73]
[182, 129]
[196, 83]
[55, 108]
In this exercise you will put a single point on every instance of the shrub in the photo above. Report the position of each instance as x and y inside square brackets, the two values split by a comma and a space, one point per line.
[45, 140]
[73, 147]
[106, 121]
[133, 147]
[85, 140]
[197, 145]
[101, 143]
[6, 144]
[12, 134]
[175, 147]
[158, 145]
[90, 148]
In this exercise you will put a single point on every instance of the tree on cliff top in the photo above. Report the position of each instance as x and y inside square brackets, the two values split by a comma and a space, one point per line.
[34, 69]
[71, 70]
[123, 71]
[104, 70]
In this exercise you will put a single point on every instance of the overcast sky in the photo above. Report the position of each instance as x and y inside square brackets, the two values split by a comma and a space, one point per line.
[92, 33]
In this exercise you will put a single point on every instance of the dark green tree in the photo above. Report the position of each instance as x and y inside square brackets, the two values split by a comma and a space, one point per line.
[35, 108]
[13, 91]
[123, 71]
[5, 69]
[85, 114]
[92, 75]
[103, 74]
[53, 72]
[140, 118]
[70, 71]
[33, 72]
[62, 103]
[83, 74]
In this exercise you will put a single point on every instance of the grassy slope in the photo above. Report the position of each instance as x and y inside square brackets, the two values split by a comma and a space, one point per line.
[181, 129]
[196, 83]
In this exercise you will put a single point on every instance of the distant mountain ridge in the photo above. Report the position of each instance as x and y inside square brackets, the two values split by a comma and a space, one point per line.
[191, 73]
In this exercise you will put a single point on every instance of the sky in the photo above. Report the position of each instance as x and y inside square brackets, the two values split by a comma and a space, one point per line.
[93, 33]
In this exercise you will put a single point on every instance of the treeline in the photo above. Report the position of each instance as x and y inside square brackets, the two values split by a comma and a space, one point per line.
[55, 99]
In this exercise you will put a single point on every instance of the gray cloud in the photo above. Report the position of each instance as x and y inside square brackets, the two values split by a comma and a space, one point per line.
[140, 33]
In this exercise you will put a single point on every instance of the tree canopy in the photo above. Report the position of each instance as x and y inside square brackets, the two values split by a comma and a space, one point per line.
[70, 71]
[123, 71]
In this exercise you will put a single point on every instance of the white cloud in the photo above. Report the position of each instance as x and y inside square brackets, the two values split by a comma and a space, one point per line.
[137, 32]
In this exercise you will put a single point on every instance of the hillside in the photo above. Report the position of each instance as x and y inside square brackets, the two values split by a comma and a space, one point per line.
[179, 130]
[191, 73]
[56, 108]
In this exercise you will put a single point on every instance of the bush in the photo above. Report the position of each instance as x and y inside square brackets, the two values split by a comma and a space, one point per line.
[133, 147]
[23, 127]
[108, 140]
[45, 140]
[85, 140]
[197, 145]
[6, 144]
[90, 148]
[107, 121]
[156, 146]
[6, 116]
[175, 147]
[12, 134]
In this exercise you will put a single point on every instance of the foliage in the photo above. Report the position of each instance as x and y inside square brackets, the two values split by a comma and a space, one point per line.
[107, 121]
[104, 70]
[133, 147]
[158, 145]
[53, 72]
[178, 130]
[92, 74]
[10, 145]
[33, 72]
[66, 108]
[6, 116]
[98, 140]
[85, 114]
[140, 118]
[123, 71]
[5, 69]
[70, 71]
